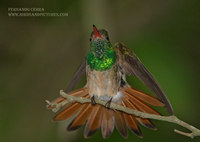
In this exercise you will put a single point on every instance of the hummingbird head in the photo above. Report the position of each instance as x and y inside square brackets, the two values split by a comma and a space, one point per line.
[96, 34]
[99, 42]
[101, 55]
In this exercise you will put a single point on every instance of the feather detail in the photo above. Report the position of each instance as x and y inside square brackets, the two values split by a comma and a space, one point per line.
[108, 123]
[83, 92]
[76, 77]
[94, 121]
[131, 65]
[131, 122]
[68, 112]
[144, 97]
[80, 92]
[72, 108]
[121, 124]
[145, 122]
[81, 118]
[96, 116]
[140, 105]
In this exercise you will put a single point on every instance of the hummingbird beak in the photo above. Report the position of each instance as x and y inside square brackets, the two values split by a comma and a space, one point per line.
[96, 32]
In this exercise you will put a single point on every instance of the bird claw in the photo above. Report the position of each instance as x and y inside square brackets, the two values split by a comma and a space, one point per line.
[107, 105]
[93, 100]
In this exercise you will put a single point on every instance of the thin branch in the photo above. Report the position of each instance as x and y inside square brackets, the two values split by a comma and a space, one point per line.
[173, 119]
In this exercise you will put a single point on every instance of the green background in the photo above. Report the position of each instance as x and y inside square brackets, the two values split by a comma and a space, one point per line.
[38, 56]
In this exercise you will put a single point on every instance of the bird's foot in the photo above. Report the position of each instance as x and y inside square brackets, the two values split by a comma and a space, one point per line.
[107, 105]
[93, 100]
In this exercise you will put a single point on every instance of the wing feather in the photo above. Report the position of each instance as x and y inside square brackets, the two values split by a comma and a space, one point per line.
[76, 77]
[131, 65]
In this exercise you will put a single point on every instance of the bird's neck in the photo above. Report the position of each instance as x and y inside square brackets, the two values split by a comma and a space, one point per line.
[101, 58]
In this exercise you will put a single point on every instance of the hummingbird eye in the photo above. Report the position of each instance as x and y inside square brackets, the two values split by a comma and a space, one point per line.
[90, 39]
[107, 38]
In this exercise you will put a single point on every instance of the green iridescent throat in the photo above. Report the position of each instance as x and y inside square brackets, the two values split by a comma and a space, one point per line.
[101, 56]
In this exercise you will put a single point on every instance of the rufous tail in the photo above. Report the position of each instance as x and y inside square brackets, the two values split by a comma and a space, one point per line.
[96, 116]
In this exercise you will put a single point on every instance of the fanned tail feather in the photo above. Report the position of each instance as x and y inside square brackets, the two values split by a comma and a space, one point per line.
[72, 108]
[81, 118]
[68, 112]
[94, 121]
[83, 92]
[142, 96]
[131, 123]
[145, 122]
[96, 116]
[121, 124]
[108, 123]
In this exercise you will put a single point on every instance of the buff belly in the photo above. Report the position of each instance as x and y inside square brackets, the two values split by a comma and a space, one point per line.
[104, 84]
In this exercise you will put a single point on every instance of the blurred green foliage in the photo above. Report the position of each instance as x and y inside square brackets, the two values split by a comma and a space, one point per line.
[38, 56]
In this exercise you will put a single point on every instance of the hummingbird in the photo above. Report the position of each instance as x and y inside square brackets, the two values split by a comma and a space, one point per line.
[106, 68]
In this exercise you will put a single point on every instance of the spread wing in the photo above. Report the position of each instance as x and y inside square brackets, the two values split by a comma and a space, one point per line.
[76, 77]
[131, 65]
